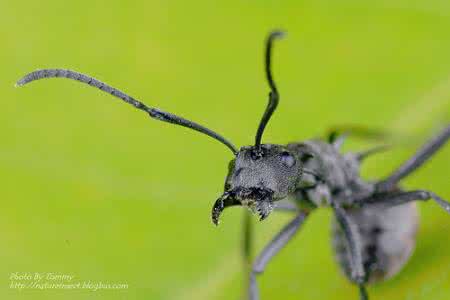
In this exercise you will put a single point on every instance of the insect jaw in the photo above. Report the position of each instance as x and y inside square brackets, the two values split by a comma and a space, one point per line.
[257, 200]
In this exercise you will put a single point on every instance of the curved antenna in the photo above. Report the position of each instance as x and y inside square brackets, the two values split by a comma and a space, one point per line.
[153, 112]
[273, 95]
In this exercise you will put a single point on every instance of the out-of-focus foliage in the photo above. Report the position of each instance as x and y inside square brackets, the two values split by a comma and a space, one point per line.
[92, 188]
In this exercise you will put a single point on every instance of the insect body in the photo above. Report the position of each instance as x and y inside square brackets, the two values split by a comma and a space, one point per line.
[375, 222]
[387, 239]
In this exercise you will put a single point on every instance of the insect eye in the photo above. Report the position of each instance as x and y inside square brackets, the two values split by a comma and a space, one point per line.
[287, 159]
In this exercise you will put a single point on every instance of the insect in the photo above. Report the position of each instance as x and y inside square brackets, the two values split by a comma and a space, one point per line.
[374, 222]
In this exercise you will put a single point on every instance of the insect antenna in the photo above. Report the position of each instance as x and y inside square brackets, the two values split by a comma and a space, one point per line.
[273, 95]
[374, 150]
[153, 112]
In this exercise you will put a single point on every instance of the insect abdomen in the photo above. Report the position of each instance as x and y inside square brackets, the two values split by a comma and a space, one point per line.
[387, 239]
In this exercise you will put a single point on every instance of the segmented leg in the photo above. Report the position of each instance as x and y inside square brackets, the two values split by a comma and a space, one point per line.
[247, 233]
[416, 161]
[336, 139]
[246, 245]
[247, 240]
[337, 135]
[286, 206]
[274, 246]
[398, 198]
[369, 152]
[354, 247]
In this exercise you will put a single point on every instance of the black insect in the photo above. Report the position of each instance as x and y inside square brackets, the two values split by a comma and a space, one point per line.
[375, 222]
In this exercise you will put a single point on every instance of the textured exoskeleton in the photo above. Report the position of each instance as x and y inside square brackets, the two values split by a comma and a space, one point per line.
[375, 222]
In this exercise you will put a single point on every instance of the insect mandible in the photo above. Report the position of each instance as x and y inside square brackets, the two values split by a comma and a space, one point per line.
[375, 222]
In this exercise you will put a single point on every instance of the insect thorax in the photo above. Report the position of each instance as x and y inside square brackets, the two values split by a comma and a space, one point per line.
[328, 174]
[387, 234]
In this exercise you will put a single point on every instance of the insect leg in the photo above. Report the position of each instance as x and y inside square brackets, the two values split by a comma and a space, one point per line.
[337, 139]
[285, 206]
[247, 243]
[354, 247]
[338, 134]
[399, 198]
[247, 233]
[247, 240]
[274, 246]
[416, 161]
[360, 156]
[247, 236]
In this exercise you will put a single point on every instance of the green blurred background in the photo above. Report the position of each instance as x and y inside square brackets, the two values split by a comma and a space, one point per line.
[92, 188]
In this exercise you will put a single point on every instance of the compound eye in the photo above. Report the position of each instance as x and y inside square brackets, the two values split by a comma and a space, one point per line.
[287, 159]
